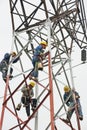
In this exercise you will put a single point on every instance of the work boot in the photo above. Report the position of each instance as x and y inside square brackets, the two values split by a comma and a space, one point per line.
[10, 77]
[33, 78]
[81, 118]
[25, 105]
[18, 107]
[41, 69]
[33, 108]
[66, 120]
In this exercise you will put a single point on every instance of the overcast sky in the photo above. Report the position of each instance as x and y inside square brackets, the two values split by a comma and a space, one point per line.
[80, 72]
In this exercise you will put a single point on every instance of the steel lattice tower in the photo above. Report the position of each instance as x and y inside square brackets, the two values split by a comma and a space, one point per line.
[63, 24]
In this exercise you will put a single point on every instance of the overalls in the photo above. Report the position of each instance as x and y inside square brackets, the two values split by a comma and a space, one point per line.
[36, 59]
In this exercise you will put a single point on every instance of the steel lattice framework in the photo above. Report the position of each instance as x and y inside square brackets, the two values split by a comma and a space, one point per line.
[63, 24]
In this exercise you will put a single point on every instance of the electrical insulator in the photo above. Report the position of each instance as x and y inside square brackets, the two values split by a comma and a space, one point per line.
[83, 55]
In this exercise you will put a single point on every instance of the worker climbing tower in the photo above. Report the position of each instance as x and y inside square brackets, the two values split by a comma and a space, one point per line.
[62, 23]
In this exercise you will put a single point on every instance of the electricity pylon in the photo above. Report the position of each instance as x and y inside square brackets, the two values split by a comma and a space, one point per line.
[63, 25]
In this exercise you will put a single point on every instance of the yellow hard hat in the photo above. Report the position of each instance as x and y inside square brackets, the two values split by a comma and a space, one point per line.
[44, 43]
[13, 54]
[32, 83]
[66, 88]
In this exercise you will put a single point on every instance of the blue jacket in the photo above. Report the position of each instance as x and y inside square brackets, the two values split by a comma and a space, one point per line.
[7, 58]
[38, 50]
[70, 100]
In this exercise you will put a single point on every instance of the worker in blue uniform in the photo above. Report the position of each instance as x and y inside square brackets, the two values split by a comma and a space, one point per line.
[5, 64]
[37, 59]
[68, 98]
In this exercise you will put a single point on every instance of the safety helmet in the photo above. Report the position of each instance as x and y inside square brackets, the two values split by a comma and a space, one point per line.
[13, 54]
[32, 83]
[66, 88]
[44, 43]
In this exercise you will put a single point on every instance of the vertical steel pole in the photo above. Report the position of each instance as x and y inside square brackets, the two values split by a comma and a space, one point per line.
[6, 87]
[72, 81]
[50, 76]
[3, 106]
[36, 116]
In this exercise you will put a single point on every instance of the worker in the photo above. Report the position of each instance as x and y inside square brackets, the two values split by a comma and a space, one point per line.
[5, 64]
[26, 99]
[70, 102]
[37, 59]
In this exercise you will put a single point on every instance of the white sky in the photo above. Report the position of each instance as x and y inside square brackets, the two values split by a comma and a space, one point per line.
[80, 72]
